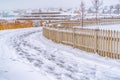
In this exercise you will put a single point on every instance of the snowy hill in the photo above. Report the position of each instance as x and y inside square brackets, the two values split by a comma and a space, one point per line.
[26, 55]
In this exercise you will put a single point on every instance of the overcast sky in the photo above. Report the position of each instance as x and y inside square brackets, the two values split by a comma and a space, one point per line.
[24, 4]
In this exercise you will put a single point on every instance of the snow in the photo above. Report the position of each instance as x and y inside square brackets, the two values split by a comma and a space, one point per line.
[9, 18]
[115, 27]
[11, 67]
[25, 54]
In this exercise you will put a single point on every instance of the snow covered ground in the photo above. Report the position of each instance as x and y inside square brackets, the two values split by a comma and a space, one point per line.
[115, 27]
[25, 54]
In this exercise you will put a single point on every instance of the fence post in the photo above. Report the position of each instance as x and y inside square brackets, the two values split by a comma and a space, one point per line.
[96, 41]
[74, 42]
[49, 32]
[59, 37]
[108, 33]
[117, 45]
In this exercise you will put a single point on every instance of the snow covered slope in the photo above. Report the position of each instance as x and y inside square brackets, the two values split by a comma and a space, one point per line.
[26, 55]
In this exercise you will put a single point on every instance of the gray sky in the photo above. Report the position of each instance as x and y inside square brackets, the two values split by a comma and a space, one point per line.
[24, 4]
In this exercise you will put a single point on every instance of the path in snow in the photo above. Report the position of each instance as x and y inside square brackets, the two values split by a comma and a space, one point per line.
[54, 61]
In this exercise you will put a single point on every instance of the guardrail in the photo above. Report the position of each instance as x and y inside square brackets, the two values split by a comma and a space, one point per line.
[102, 42]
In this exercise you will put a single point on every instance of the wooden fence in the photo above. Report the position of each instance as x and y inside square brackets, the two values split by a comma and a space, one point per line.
[87, 22]
[15, 24]
[102, 42]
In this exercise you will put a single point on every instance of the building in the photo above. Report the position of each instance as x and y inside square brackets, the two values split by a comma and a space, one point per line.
[39, 18]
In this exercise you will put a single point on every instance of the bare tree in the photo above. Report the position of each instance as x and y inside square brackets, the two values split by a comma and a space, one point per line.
[111, 7]
[118, 8]
[82, 12]
[89, 10]
[97, 4]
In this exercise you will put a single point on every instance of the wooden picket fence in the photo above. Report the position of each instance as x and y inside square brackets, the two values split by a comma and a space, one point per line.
[15, 24]
[103, 42]
[87, 22]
